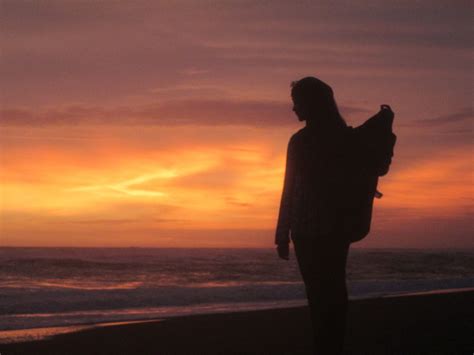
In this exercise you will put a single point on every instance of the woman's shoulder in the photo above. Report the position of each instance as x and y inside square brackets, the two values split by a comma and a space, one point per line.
[315, 138]
[299, 134]
[298, 137]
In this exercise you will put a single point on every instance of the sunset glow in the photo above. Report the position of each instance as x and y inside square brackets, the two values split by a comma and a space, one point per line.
[142, 133]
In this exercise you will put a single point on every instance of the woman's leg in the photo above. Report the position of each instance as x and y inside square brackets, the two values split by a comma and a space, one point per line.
[322, 264]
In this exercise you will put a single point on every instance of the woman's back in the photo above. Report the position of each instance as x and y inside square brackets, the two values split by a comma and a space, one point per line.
[319, 166]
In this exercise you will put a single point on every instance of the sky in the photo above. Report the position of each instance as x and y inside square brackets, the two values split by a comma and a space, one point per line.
[165, 123]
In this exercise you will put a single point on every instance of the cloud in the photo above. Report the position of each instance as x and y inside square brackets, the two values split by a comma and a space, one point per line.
[460, 122]
[199, 112]
[461, 116]
[118, 221]
[55, 52]
[116, 90]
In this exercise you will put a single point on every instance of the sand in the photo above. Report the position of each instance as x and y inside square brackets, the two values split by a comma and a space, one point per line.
[440, 323]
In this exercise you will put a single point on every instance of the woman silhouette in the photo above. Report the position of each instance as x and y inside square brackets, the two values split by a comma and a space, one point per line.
[309, 210]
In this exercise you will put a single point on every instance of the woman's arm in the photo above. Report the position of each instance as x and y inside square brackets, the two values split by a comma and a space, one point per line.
[283, 226]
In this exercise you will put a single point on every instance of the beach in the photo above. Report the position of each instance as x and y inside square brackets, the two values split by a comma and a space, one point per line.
[425, 323]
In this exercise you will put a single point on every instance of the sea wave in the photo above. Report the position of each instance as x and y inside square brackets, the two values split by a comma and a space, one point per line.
[54, 287]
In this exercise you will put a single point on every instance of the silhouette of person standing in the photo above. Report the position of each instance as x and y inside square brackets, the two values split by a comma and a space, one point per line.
[309, 211]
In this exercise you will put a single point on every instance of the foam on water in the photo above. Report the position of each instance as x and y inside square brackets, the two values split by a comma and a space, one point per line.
[48, 287]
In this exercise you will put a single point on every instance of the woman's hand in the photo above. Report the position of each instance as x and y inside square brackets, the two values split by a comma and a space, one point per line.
[283, 250]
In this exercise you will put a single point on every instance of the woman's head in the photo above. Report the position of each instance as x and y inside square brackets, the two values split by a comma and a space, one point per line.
[314, 102]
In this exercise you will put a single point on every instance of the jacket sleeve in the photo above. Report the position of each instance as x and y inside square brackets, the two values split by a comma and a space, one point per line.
[283, 224]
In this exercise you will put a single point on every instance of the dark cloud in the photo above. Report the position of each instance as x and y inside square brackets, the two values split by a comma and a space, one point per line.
[456, 122]
[398, 22]
[169, 113]
[88, 51]
[462, 116]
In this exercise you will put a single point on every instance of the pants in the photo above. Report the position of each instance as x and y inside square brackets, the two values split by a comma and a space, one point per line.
[322, 263]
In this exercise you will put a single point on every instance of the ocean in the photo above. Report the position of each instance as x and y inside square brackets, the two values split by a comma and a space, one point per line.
[61, 287]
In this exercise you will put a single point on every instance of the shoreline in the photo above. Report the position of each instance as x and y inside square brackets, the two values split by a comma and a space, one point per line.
[13, 336]
[445, 318]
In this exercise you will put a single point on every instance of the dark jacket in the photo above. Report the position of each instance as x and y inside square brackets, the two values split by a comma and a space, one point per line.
[329, 176]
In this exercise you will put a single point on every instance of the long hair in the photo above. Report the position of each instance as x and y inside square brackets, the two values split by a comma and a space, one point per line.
[315, 91]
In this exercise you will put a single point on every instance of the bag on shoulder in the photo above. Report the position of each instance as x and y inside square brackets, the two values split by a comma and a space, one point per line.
[369, 150]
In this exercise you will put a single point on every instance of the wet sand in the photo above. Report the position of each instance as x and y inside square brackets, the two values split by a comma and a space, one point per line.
[439, 323]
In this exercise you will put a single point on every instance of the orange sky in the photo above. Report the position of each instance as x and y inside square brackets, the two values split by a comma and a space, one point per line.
[166, 125]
